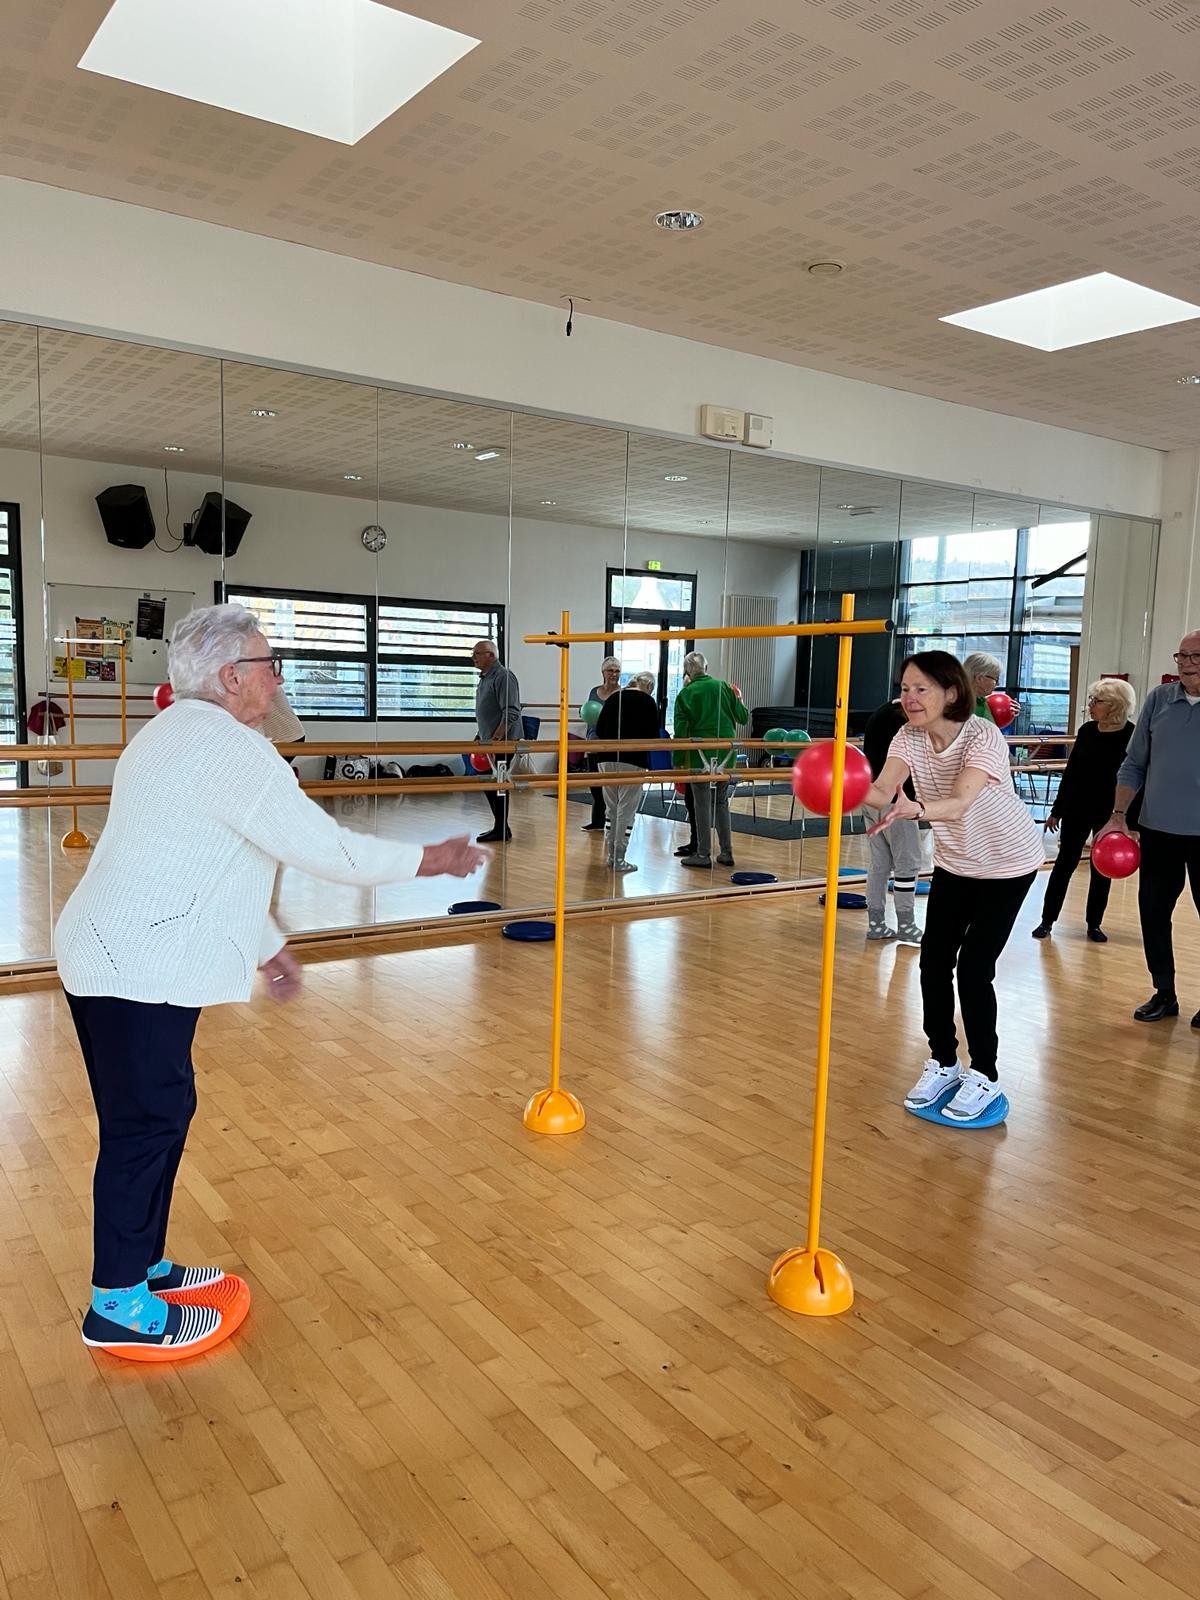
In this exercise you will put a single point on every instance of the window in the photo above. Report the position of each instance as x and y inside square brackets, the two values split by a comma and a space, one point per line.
[645, 601]
[964, 594]
[12, 677]
[352, 658]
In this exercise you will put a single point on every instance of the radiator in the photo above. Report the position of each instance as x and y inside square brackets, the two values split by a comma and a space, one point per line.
[750, 663]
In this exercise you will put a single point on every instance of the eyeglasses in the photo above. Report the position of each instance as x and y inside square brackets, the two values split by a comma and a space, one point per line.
[1187, 658]
[276, 663]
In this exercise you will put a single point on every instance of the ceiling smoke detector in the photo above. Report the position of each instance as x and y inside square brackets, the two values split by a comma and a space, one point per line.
[679, 221]
[825, 269]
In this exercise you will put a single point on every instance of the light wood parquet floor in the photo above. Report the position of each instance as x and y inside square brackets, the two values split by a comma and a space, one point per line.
[485, 1365]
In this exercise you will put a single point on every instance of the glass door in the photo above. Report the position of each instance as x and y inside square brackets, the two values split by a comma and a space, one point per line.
[641, 601]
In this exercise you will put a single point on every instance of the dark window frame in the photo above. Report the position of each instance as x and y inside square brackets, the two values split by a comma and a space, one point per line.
[12, 561]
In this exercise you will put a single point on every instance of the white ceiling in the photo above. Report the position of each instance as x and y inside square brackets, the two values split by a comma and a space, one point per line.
[950, 152]
[106, 400]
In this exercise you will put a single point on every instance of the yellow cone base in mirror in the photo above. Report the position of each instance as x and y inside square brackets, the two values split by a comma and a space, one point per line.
[554, 1111]
[76, 840]
[812, 1282]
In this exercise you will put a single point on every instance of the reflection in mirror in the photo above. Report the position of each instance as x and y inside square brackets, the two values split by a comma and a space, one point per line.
[444, 586]
[131, 445]
[1120, 595]
[773, 507]
[24, 831]
[858, 552]
[568, 551]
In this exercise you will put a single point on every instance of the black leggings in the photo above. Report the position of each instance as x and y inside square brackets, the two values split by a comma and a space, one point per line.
[967, 925]
[1072, 836]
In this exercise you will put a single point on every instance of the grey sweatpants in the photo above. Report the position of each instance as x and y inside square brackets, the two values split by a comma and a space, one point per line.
[894, 853]
[621, 803]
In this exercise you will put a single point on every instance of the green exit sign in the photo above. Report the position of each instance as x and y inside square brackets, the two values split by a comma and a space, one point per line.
[654, 566]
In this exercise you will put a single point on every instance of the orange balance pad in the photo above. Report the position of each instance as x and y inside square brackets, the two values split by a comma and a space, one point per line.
[229, 1295]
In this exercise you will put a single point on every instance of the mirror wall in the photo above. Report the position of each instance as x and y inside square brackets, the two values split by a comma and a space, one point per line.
[379, 535]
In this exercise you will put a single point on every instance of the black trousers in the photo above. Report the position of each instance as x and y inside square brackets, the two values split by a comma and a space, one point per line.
[139, 1064]
[967, 925]
[1072, 836]
[497, 799]
[689, 800]
[1167, 859]
[599, 809]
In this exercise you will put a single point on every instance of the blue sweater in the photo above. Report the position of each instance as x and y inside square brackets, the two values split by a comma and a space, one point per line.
[1164, 761]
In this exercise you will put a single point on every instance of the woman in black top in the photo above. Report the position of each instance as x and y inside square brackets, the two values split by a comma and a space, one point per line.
[1085, 800]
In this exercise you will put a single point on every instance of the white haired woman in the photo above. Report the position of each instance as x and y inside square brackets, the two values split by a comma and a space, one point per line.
[171, 916]
[610, 683]
[1084, 801]
[984, 672]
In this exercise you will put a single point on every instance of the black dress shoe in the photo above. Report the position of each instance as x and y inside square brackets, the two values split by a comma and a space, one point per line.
[494, 836]
[1043, 930]
[1097, 935]
[686, 850]
[1157, 1008]
[1196, 1020]
[592, 827]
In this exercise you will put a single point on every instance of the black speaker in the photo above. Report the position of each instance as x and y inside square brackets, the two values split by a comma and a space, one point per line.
[204, 530]
[126, 515]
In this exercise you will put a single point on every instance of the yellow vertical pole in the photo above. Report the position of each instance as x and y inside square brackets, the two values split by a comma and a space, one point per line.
[554, 1110]
[76, 839]
[812, 1280]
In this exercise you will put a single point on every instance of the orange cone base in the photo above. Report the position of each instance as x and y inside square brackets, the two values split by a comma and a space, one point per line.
[554, 1111]
[230, 1296]
[813, 1282]
[76, 840]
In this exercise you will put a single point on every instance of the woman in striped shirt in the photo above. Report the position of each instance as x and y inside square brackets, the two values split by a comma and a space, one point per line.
[987, 851]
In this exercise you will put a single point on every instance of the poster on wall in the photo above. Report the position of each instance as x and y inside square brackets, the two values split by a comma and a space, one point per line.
[86, 630]
[151, 617]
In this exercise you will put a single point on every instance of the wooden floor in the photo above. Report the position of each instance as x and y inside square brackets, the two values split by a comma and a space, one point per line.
[485, 1365]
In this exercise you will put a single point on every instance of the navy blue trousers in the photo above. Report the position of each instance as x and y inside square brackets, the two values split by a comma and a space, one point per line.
[139, 1064]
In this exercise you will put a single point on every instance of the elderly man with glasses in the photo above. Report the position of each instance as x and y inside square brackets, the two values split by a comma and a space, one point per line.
[1164, 764]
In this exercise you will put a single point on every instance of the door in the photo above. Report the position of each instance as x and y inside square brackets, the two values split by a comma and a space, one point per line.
[643, 601]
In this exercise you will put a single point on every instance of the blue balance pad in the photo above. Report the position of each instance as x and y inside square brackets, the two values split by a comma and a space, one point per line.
[752, 877]
[848, 902]
[462, 908]
[992, 1117]
[528, 932]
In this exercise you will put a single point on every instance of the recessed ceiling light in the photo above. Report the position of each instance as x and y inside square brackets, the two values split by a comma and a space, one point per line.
[261, 411]
[1101, 306]
[174, 449]
[353, 477]
[487, 455]
[1190, 377]
[461, 444]
[679, 221]
[846, 506]
[334, 68]
[675, 477]
[826, 269]
[549, 502]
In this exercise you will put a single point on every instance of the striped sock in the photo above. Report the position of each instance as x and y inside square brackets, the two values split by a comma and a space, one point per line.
[167, 1275]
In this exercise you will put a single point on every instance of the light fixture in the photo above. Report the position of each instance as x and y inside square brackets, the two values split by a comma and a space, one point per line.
[1189, 377]
[679, 221]
[461, 444]
[549, 502]
[261, 411]
[487, 455]
[846, 506]
[1100, 306]
[826, 269]
[333, 68]
[174, 449]
[352, 477]
[675, 477]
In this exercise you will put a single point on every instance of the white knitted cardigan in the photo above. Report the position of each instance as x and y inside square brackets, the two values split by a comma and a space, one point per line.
[174, 906]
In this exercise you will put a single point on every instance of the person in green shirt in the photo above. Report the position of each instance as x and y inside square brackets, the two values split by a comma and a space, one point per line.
[708, 708]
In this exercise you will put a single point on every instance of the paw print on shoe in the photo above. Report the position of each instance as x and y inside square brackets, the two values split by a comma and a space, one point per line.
[152, 1327]
[110, 1305]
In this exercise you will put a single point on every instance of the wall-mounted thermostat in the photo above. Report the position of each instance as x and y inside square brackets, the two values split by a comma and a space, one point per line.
[759, 431]
[719, 422]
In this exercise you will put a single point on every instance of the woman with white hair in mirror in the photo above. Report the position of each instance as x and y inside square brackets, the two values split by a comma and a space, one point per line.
[632, 713]
[1084, 801]
[171, 916]
[610, 683]
[984, 673]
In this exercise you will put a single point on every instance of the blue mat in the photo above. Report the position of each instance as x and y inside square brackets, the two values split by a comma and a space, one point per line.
[992, 1117]
[528, 932]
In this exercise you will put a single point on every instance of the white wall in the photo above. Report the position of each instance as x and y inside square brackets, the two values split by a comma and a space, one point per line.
[102, 266]
[1177, 592]
[302, 540]
[1118, 604]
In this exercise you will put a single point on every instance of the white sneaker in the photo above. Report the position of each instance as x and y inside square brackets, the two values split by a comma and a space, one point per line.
[973, 1098]
[933, 1082]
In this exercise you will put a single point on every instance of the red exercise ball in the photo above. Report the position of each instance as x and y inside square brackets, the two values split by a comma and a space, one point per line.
[812, 778]
[1004, 711]
[480, 762]
[1116, 855]
[164, 696]
[681, 790]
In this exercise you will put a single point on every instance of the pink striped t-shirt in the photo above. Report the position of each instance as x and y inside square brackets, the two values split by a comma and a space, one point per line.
[996, 837]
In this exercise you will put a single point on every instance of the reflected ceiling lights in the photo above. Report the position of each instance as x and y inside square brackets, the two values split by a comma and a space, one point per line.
[549, 502]
[353, 477]
[174, 449]
[679, 221]
[334, 68]
[487, 455]
[461, 444]
[675, 477]
[261, 411]
[1101, 306]
[1190, 377]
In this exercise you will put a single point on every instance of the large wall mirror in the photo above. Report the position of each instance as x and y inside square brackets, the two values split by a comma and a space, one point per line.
[381, 535]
